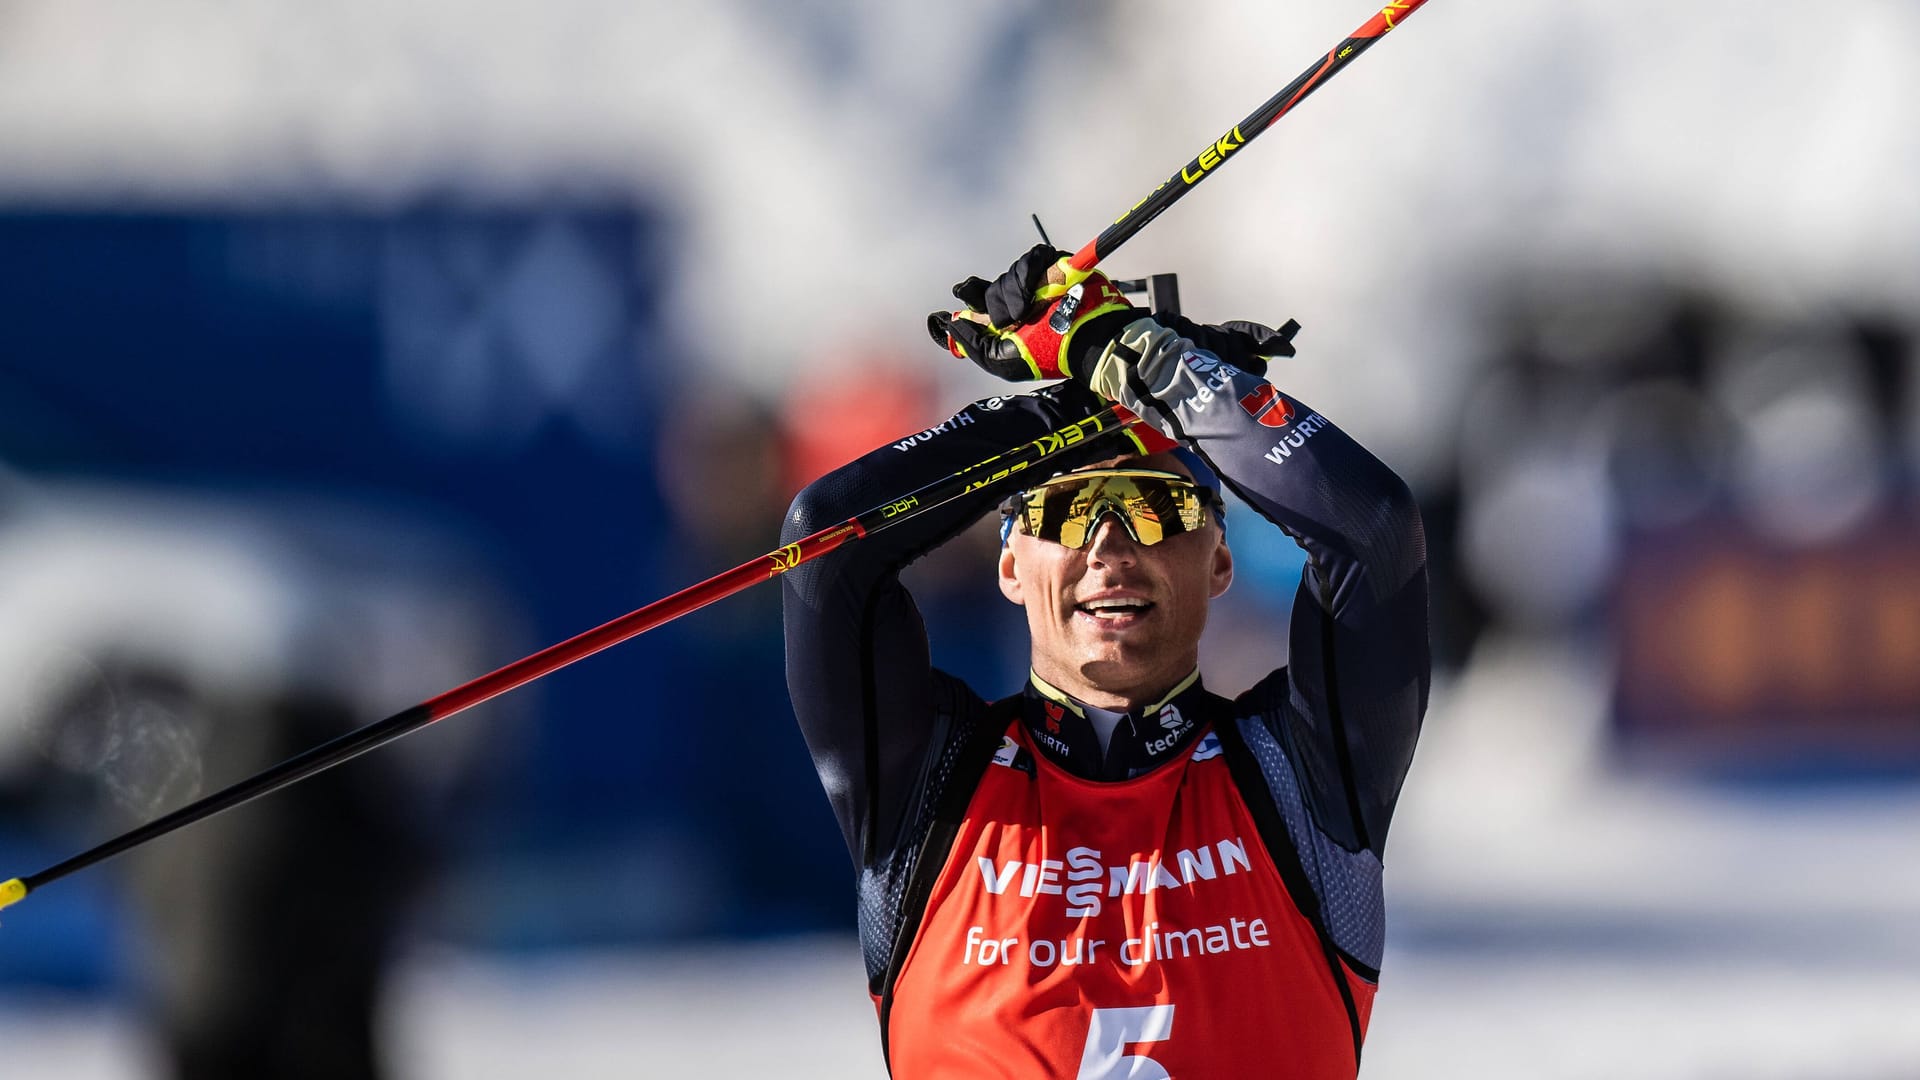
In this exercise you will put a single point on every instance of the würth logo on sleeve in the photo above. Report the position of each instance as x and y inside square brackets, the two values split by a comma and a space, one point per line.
[1267, 406]
[1295, 439]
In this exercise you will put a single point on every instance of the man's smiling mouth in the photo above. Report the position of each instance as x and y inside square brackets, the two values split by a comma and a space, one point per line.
[1115, 610]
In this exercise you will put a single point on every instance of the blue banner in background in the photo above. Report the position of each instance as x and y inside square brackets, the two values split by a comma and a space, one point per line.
[495, 378]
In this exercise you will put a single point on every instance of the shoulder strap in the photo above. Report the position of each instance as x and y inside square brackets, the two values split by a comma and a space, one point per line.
[1258, 797]
[931, 857]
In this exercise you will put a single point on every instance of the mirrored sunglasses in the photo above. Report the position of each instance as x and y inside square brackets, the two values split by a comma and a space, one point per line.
[1151, 505]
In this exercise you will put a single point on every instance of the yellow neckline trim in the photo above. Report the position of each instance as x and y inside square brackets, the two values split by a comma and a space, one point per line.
[1054, 693]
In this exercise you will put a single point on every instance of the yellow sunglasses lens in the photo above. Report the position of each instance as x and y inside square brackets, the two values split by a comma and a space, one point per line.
[1151, 506]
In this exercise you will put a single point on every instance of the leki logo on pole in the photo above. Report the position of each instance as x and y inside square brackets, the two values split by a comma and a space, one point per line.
[1214, 155]
[1045, 446]
[554, 657]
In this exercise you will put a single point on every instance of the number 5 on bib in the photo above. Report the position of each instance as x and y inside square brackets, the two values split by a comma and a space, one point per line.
[1111, 1030]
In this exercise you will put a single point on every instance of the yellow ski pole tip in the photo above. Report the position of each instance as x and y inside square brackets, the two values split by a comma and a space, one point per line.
[11, 892]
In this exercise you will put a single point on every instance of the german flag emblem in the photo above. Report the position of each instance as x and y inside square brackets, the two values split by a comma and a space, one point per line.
[1267, 406]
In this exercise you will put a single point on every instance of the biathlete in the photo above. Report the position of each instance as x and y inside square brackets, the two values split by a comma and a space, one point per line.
[1117, 872]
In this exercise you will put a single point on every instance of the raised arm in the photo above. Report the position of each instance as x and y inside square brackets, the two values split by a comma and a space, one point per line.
[1356, 685]
[863, 687]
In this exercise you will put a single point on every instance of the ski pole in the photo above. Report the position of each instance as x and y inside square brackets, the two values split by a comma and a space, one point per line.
[1215, 154]
[776, 562]
[1101, 425]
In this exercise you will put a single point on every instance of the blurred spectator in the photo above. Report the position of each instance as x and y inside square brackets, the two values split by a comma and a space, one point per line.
[836, 409]
[166, 647]
[1709, 494]
[738, 794]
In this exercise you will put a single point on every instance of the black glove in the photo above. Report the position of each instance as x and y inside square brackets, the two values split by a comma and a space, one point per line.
[1246, 345]
[1032, 321]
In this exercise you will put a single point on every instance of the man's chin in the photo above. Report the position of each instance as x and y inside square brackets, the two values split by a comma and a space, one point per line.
[1118, 671]
[1124, 650]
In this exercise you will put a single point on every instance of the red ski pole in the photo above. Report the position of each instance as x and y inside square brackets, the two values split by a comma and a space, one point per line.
[771, 565]
[1216, 153]
[774, 563]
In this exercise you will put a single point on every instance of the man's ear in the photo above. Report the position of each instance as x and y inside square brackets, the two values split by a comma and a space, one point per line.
[1220, 575]
[1009, 583]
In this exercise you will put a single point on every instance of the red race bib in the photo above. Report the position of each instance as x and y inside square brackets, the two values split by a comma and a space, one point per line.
[1106, 930]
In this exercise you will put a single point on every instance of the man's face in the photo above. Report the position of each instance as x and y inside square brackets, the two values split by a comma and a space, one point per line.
[1123, 658]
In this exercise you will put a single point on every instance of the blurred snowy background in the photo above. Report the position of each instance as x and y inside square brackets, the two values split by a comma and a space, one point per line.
[350, 350]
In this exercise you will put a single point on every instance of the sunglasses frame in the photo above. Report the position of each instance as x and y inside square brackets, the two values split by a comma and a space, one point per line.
[1023, 510]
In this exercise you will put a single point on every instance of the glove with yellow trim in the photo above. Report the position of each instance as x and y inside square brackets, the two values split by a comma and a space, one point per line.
[1032, 321]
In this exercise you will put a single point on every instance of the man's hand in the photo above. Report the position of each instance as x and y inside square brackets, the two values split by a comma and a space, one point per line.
[1148, 357]
[1031, 322]
[1246, 345]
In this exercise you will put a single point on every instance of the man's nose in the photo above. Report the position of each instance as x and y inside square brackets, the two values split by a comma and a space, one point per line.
[1111, 542]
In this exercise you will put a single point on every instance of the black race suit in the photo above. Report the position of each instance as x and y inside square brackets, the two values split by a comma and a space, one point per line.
[1328, 737]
